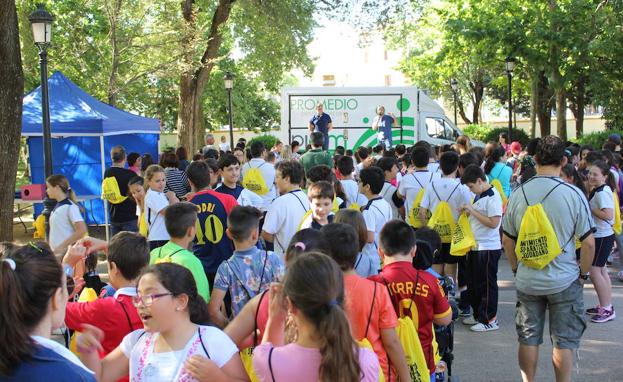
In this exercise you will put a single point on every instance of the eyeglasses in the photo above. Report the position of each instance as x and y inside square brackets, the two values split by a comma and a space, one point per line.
[148, 299]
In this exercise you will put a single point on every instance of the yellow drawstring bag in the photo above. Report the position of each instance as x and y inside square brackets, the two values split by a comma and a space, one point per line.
[462, 238]
[87, 295]
[365, 342]
[39, 226]
[537, 243]
[254, 181]
[495, 182]
[111, 192]
[246, 355]
[336, 205]
[442, 220]
[143, 227]
[617, 215]
[413, 213]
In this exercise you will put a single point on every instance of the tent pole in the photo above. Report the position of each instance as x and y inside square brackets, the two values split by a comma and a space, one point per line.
[103, 161]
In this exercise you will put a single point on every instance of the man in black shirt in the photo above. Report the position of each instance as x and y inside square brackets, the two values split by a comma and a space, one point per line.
[122, 215]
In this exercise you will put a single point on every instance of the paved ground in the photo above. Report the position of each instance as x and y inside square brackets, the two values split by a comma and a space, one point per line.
[492, 356]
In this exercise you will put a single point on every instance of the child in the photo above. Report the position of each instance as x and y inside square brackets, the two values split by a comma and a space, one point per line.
[249, 271]
[128, 254]
[174, 344]
[320, 196]
[229, 167]
[324, 173]
[377, 211]
[155, 203]
[364, 265]
[346, 169]
[325, 350]
[137, 191]
[33, 291]
[389, 165]
[427, 303]
[485, 215]
[601, 202]
[450, 190]
[411, 184]
[180, 220]
[67, 225]
[286, 212]
[368, 306]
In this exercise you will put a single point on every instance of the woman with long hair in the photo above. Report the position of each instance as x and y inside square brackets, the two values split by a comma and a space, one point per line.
[175, 344]
[313, 292]
[496, 168]
[67, 225]
[463, 144]
[33, 295]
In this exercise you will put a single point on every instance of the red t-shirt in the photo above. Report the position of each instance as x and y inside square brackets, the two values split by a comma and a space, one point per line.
[429, 303]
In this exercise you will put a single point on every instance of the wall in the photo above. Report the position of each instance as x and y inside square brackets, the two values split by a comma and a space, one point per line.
[170, 139]
[592, 124]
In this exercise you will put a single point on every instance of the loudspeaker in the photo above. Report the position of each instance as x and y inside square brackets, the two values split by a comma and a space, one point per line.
[33, 192]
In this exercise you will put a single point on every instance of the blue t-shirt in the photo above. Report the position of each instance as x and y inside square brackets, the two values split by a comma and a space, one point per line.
[385, 126]
[321, 123]
[503, 173]
[211, 245]
[235, 192]
[46, 364]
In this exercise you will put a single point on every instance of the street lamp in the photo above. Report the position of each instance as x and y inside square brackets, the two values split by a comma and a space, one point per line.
[510, 66]
[41, 23]
[455, 86]
[229, 85]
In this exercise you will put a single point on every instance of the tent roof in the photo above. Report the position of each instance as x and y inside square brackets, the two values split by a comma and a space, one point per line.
[73, 112]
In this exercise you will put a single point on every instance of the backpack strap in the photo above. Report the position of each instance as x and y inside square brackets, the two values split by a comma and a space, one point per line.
[270, 363]
[418, 181]
[257, 312]
[127, 316]
[435, 191]
[202, 344]
[371, 310]
[452, 193]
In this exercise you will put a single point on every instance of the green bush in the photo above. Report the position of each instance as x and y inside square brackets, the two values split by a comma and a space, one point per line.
[486, 133]
[597, 139]
[267, 139]
[478, 132]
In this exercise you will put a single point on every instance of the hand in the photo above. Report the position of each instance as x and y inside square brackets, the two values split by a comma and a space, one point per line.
[170, 194]
[75, 253]
[189, 195]
[90, 339]
[467, 208]
[93, 245]
[201, 368]
[277, 303]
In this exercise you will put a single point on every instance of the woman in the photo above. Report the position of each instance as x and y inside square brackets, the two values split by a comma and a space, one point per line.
[463, 144]
[176, 179]
[67, 225]
[33, 292]
[504, 142]
[175, 344]
[286, 153]
[496, 168]
[313, 292]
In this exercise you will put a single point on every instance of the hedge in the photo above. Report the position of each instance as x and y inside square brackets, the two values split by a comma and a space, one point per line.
[597, 139]
[487, 133]
[267, 139]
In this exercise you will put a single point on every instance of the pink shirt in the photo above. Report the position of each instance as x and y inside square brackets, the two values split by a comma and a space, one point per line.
[293, 362]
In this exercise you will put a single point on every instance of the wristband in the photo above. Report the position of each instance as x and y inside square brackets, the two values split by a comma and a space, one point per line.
[68, 269]
[583, 276]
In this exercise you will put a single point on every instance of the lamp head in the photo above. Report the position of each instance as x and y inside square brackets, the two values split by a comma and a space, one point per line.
[41, 23]
[510, 64]
[229, 80]
[454, 84]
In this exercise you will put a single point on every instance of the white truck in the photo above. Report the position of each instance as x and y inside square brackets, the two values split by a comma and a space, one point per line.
[352, 110]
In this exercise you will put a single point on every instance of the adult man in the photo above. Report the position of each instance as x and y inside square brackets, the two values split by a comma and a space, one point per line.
[210, 144]
[259, 176]
[317, 155]
[322, 123]
[558, 286]
[383, 123]
[122, 210]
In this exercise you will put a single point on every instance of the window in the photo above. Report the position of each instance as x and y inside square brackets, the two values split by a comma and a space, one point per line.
[437, 128]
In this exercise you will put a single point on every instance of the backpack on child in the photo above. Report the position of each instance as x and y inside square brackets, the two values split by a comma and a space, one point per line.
[442, 221]
[254, 181]
[414, 211]
[365, 342]
[495, 182]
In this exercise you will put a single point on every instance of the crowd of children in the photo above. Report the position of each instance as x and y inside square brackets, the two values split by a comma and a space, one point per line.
[304, 270]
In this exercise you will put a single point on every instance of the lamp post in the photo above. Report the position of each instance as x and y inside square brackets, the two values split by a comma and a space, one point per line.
[510, 66]
[229, 85]
[455, 86]
[41, 23]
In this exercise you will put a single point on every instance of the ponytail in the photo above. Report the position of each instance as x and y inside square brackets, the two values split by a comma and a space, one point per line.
[493, 157]
[29, 278]
[315, 285]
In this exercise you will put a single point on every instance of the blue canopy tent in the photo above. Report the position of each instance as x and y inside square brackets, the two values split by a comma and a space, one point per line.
[83, 132]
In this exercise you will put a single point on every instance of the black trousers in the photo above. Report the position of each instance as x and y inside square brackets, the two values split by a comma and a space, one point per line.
[463, 284]
[482, 270]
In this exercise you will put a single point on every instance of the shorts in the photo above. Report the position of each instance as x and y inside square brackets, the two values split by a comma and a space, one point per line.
[603, 246]
[444, 257]
[566, 317]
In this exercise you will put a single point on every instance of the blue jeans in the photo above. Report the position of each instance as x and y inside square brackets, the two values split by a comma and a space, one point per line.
[131, 226]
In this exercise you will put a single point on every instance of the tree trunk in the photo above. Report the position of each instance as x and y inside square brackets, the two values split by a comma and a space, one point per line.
[462, 113]
[534, 83]
[11, 93]
[577, 105]
[543, 105]
[113, 16]
[190, 130]
[561, 114]
[478, 90]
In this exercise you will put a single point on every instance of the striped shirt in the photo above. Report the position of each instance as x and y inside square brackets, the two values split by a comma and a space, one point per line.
[176, 182]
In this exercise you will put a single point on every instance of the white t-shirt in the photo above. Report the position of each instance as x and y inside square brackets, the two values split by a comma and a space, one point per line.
[376, 213]
[412, 183]
[489, 203]
[283, 218]
[62, 220]
[449, 190]
[387, 192]
[268, 173]
[138, 346]
[351, 189]
[601, 199]
[155, 202]
[250, 198]
[433, 167]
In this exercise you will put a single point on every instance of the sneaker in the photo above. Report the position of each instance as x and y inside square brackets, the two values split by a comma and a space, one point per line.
[466, 312]
[604, 316]
[469, 321]
[480, 327]
[593, 311]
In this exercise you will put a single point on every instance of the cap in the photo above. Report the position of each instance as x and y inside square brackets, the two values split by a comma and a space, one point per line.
[515, 147]
[616, 138]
